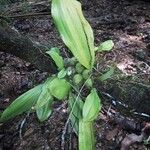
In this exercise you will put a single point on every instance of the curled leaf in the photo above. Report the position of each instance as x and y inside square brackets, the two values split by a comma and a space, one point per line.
[44, 97]
[45, 111]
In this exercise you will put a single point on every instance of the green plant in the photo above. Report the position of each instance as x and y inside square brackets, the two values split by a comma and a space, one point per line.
[74, 74]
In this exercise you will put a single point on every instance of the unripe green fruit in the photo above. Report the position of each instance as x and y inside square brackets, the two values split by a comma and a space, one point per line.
[79, 68]
[77, 79]
[86, 74]
[89, 83]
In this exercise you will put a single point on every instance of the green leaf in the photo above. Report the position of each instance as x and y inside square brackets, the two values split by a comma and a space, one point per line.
[44, 97]
[74, 29]
[89, 83]
[86, 135]
[76, 105]
[59, 88]
[22, 104]
[56, 57]
[75, 123]
[62, 74]
[91, 106]
[45, 111]
[108, 74]
[105, 46]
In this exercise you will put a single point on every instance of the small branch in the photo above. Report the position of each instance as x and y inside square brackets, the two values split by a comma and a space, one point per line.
[21, 46]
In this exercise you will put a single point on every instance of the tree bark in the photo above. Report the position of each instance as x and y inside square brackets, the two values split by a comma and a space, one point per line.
[21, 46]
[129, 96]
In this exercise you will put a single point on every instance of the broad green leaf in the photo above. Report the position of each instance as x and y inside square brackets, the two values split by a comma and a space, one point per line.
[86, 135]
[107, 75]
[91, 106]
[44, 97]
[56, 57]
[45, 111]
[62, 74]
[105, 46]
[75, 31]
[76, 104]
[22, 104]
[59, 88]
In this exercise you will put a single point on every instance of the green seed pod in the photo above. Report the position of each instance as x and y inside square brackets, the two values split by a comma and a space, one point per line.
[77, 79]
[79, 68]
[86, 74]
[89, 83]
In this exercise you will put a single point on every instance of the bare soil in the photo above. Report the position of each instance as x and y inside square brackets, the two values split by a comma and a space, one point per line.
[127, 23]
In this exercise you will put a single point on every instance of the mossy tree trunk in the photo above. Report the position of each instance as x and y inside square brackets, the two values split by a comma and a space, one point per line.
[21, 46]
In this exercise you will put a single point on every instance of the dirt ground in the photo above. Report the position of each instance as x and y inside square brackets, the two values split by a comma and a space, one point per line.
[127, 23]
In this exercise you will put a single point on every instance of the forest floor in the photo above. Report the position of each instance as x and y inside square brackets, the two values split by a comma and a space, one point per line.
[127, 23]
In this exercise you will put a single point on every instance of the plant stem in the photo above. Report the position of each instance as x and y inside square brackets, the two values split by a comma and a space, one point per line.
[86, 135]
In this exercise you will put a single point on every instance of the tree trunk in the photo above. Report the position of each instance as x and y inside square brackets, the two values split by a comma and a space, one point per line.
[21, 46]
[131, 96]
